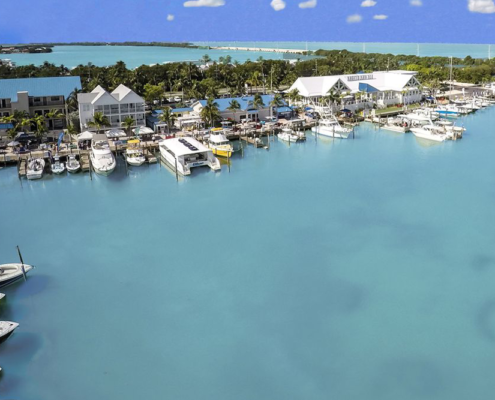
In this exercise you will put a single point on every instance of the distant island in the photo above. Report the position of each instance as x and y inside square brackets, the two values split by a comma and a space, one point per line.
[25, 48]
[156, 44]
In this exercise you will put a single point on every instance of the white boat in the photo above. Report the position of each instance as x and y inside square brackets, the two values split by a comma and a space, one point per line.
[288, 135]
[10, 273]
[329, 126]
[35, 168]
[57, 166]
[1, 296]
[186, 153]
[430, 132]
[6, 328]
[399, 124]
[450, 110]
[134, 155]
[102, 158]
[73, 164]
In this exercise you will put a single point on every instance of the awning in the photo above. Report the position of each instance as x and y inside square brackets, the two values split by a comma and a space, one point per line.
[282, 110]
[143, 130]
[115, 133]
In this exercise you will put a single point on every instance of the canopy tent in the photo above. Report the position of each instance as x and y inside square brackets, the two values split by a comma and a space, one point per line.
[115, 133]
[84, 136]
[143, 130]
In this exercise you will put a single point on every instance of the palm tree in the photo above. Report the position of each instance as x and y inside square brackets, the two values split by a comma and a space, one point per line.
[206, 59]
[40, 125]
[255, 80]
[234, 106]
[294, 96]
[168, 117]
[99, 120]
[332, 97]
[127, 124]
[71, 130]
[53, 114]
[277, 101]
[210, 112]
[258, 101]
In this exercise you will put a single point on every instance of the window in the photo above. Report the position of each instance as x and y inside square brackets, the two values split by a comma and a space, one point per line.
[55, 98]
[86, 107]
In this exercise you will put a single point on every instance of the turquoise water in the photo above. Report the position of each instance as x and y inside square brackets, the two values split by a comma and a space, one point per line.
[353, 269]
[72, 56]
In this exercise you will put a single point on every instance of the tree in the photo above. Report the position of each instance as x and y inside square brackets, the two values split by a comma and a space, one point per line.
[53, 114]
[276, 102]
[71, 130]
[40, 126]
[234, 106]
[258, 101]
[206, 59]
[210, 112]
[332, 98]
[294, 96]
[127, 124]
[168, 117]
[153, 92]
[255, 80]
[99, 121]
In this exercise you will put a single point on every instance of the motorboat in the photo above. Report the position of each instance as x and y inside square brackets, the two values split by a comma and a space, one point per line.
[400, 124]
[102, 158]
[57, 166]
[330, 126]
[430, 132]
[10, 273]
[133, 154]
[183, 154]
[7, 328]
[35, 168]
[1, 296]
[219, 144]
[450, 110]
[73, 164]
[288, 135]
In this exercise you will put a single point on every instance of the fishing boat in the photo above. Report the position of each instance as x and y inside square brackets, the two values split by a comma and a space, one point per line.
[219, 144]
[400, 124]
[73, 164]
[134, 155]
[7, 328]
[330, 126]
[430, 132]
[10, 273]
[183, 154]
[102, 158]
[450, 110]
[35, 168]
[288, 135]
[57, 166]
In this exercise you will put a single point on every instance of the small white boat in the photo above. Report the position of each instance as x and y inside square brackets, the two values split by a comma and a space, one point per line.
[35, 168]
[399, 124]
[330, 126]
[102, 158]
[430, 132]
[288, 135]
[133, 154]
[1, 296]
[10, 273]
[57, 166]
[73, 164]
[6, 328]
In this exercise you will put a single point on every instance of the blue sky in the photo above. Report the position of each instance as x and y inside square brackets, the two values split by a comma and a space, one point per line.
[424, 21]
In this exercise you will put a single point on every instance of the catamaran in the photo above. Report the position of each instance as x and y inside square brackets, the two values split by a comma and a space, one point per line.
[182, 154]
[35, 168]
[330, 126]
[101, 156]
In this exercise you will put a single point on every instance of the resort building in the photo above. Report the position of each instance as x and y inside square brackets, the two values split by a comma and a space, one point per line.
[185, 118]
[38, 96]
[360, 91]
[116, 106]
[247, 109]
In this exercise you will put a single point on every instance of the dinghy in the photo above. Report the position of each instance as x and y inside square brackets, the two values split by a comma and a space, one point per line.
[35, 168]
[73, 164]
[6, 329]
[57, 166]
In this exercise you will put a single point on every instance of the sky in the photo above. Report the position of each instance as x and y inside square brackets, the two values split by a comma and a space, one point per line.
[418, 21]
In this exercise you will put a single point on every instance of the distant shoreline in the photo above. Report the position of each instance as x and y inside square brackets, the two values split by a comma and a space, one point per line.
[137, 44]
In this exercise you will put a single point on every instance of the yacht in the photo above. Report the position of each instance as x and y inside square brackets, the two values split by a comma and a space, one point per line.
[10, 273]
[101, 156]
[133, 154]
[183, 154]
[57, 166]
[73, 164]
[6, 329]
[219, 143]
[430, 132]
[453, 132]
[450, 110]
[35, 168]
[400, 124]
[330, 126]
[288, 135]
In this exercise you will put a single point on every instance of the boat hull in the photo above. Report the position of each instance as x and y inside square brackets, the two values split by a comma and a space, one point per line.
[426, 136]
[331, 133]
[11, 273]
[222, 153]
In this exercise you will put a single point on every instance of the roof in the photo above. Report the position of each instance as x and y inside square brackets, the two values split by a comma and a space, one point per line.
[284, 109]
[245, 102]
[122, 94]
[39, 87]
[379, 81]
[6, 126]
[180, 149]
[181, 110]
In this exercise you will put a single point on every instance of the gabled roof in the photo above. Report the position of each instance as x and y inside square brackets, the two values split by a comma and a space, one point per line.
[245, 102]
[120, 94]
[39, 87]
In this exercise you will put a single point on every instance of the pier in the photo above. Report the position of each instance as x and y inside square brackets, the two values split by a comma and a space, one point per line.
[259, 49]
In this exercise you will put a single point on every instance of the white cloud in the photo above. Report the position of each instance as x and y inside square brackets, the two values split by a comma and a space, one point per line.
[368, 3]
[170, 17]
[482, 6]
[380, 17]
[352, 19]
[416, 3]
[278, 5]
[308, 4]
[204, 3]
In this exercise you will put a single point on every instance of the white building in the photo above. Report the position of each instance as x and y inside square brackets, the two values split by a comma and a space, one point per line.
[117, 106]
[360, 91]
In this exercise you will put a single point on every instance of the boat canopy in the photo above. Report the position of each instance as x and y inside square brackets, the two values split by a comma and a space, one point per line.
[84, 136]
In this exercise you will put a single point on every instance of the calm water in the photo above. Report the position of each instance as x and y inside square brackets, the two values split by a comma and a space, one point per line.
[358, 269]
[72, 56]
